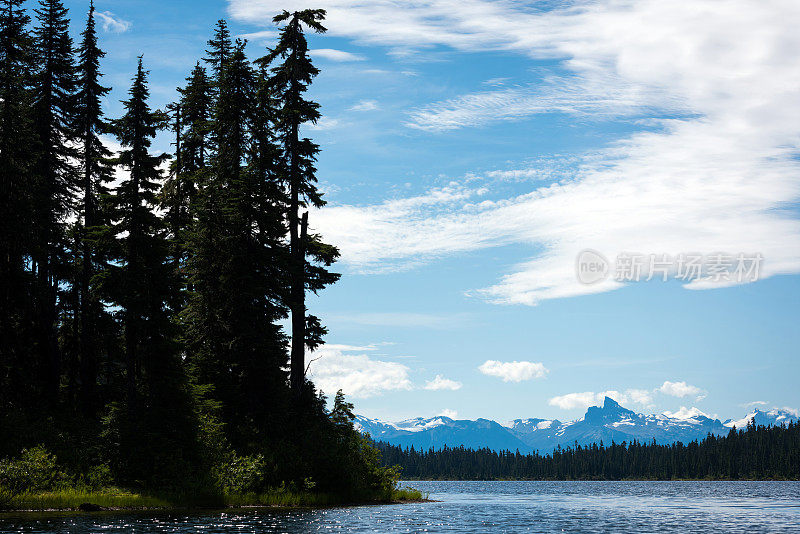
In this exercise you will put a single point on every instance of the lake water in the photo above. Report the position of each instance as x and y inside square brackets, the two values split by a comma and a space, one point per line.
[622, 507]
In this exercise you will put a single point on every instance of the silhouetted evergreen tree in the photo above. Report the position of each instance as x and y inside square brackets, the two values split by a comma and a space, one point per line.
[18, 369]
[220, 49]
[53, 176]
[235, 342]
[94, 174]
[290, 80]
[138, 281]
[196, 107]
[191, 122]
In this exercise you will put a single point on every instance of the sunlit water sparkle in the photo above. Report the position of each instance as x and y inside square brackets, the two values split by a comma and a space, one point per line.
[624, 507]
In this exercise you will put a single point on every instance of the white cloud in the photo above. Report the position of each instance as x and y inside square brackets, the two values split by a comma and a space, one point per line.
[365, 105]
[496, 82]
[403, 232]
[263, 37]
[346, 367]
[583, 400]
[325, 123]
[112, 23]
[719, 177]
[753, 404]
[513, 371]
[678, 389]
[335, 55]
[640, 396]
[571, 401]
[440, 383]
[517, 103]
[539, 172]
[408, 27]
[452, 414]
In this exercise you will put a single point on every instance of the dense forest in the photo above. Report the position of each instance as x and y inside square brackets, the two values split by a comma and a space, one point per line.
[144, 295]
[757, 452]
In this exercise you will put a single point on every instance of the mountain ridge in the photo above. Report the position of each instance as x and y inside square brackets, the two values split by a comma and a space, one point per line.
[607, 423]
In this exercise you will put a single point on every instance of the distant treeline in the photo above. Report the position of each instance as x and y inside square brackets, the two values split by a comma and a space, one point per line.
[753, 453]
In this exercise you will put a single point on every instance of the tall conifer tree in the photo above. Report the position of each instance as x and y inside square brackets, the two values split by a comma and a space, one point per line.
[53, 174]
[196, 102]
[140, 282]
[220, 49]
[191, 128]
[16, 137]
[94, 174]
[235, 258]
[290, 80]
[157, 428]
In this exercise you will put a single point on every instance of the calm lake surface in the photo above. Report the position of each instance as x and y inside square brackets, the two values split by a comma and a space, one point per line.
[622, 507]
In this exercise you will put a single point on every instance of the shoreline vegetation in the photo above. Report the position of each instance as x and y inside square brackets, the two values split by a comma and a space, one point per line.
[115, 499]
[153, 307]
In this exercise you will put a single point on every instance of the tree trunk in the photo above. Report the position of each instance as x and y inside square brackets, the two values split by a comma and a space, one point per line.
[88, 361]
[299, 309]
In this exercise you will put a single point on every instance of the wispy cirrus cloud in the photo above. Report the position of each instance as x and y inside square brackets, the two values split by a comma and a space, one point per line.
[325, 123]
[365, 105]
[715, 171]
[267, 37]
[753, 404]
[335, 55]
[111, 23]
[574, 96]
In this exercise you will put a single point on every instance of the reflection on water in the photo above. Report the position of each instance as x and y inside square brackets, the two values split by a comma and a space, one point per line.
[624, 507]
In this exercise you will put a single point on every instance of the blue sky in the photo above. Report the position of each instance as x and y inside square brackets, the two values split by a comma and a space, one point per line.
[472, 148]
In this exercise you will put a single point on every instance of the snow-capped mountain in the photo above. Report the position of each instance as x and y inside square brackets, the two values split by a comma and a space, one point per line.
[608, 423]
[775, 416]
[440, 431]
[612, 422]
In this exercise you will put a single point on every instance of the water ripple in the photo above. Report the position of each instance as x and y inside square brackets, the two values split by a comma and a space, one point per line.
[479, 507]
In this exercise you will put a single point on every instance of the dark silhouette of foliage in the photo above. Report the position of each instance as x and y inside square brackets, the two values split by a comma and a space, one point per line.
[289, 81]
[142, 324]
[757, 452]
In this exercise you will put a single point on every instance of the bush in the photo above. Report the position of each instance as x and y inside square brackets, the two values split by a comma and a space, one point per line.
[35, 470]
[242, 474]
[99, 477]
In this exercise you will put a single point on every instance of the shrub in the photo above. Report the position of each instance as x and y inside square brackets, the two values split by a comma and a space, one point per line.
[99, 477]
[35, 470]
[242, 474]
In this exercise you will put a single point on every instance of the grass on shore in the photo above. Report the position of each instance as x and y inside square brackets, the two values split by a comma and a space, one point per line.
[408, 494]
[71, 499]
[120, 499]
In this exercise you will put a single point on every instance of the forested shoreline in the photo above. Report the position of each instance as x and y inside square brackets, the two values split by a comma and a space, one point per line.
[143, 295]
[754, 453]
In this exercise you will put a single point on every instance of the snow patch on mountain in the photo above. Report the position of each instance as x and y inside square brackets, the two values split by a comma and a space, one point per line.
[686, 414]
[776, 416]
